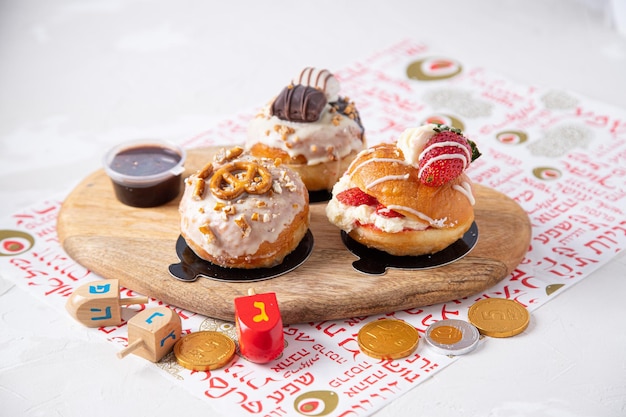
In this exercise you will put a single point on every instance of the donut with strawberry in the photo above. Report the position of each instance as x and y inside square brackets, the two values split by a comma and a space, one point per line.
[411, 197]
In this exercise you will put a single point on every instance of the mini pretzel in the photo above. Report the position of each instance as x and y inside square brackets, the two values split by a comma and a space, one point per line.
[231, 180]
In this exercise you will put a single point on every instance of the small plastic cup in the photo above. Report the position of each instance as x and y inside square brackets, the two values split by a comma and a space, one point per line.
[145, 173]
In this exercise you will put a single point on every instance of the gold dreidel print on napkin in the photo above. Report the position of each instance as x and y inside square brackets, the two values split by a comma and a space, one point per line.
[152, 333]
[99, 304]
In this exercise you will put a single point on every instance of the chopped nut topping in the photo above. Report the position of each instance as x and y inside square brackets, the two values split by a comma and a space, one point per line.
[243, 225]
[290, 185]
[230, 210]
[336, 120]
[219, 206]
[198, 189]
[284, 131]
[220, 156]
[234, 152]
[331, 153]
[227, 154]
[254, 217]
[261, 204]
[206, 171]
[205, 229]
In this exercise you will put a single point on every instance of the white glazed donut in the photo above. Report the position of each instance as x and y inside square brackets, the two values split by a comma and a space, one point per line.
[313, 130]
[244, 212]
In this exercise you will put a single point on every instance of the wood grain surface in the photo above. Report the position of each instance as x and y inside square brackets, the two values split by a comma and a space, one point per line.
[137, 245]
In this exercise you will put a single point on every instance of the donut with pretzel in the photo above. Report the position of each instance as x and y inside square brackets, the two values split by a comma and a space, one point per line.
[239, 211]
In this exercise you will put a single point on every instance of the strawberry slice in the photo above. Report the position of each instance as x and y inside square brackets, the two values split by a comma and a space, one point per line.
[446, 155]
[385, 212]
[356, 197]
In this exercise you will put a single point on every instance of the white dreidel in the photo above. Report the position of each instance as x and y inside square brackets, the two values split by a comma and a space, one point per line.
[152, 333]
[98, 303]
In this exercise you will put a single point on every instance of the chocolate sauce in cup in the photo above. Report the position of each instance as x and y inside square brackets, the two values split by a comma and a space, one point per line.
[145, 173]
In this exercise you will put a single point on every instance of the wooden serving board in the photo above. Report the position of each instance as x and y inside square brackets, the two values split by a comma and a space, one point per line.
[137, 245]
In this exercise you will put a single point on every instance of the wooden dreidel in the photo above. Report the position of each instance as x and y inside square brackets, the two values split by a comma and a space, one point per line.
[99, 304]
[152, 333]
[259, 327]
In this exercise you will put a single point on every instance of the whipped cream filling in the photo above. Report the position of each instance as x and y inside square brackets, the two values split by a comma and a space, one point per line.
[348, 217]
[413, 140]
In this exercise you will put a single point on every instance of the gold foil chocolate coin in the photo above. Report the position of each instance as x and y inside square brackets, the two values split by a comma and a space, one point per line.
[388, 339]
[204, 351]
[452, 337]
[499, 317]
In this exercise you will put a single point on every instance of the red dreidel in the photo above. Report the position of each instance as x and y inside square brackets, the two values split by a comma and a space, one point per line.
[152, 333]
[99, 304]
[259, 327]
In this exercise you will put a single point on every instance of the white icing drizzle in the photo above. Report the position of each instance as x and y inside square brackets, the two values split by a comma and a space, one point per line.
[414, 212]
[442, 157]
[359, 155]
[468, 155]
[387, 178]
[369, 161]
[466, 189]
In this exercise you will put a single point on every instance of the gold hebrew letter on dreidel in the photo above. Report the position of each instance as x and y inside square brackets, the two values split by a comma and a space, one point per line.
[98, 303]
[262, 316]
[152, 333]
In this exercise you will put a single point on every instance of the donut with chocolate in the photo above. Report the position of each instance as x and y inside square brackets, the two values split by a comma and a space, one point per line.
[240, 211]
[310, 128]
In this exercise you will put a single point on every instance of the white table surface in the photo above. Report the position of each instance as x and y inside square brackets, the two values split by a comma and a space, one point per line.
[79, 76]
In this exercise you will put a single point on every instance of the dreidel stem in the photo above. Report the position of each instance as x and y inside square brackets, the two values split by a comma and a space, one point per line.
[133, 300]
[130, 348]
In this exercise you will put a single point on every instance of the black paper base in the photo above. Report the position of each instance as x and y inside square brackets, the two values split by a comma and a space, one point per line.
[193, 267]
[375, 262]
